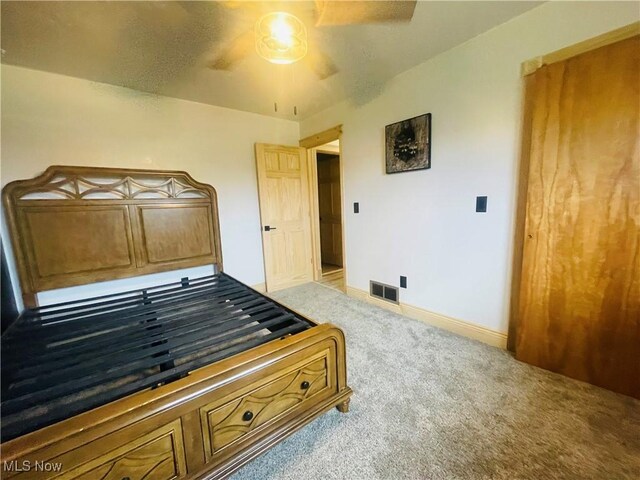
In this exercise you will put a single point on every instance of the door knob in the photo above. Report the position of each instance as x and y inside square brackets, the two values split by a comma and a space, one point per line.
[267, 228]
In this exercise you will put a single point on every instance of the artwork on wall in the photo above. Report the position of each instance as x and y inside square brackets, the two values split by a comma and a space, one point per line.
[408, 144]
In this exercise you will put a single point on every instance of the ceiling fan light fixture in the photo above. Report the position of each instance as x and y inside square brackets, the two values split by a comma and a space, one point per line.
[281, 38]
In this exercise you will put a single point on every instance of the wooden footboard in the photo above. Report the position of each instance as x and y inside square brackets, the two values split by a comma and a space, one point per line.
[206, 425]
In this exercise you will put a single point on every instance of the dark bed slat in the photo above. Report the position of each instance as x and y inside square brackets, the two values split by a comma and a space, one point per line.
[142, 338]
[47, 309]
[105, 313]
[141, 324]
[130, 355]
[11, 429]
[118, 370]
[142, 313]
[111, 341]
[142, 297]
[100, 324]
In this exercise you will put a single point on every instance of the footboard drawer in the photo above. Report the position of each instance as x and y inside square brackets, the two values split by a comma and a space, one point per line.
[230, 420]
[158, 454]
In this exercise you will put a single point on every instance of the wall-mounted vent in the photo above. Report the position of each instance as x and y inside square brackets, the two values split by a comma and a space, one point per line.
[384, 292]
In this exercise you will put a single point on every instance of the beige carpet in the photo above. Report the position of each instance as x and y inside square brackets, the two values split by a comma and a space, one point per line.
[432, 405]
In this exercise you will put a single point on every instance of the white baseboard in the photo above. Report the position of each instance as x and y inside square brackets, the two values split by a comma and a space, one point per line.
[260, 287]
[466, 329]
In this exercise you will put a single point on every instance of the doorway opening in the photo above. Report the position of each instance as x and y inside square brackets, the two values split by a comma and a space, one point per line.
[329, 213]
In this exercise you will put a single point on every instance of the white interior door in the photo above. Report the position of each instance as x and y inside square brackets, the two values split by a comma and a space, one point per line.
[283, 189]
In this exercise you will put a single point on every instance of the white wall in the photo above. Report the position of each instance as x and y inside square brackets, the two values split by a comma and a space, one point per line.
[52, 119]
[423, 224]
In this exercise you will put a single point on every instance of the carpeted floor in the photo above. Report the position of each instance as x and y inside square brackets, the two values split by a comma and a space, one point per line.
[432, 405]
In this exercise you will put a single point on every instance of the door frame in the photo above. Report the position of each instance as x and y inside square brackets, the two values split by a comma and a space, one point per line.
[311, 143]
[527, 68]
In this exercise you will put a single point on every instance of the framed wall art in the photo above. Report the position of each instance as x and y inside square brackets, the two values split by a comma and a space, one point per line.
[408, 144]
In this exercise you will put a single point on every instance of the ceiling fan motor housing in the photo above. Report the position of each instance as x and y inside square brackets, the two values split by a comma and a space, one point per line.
[281, 38]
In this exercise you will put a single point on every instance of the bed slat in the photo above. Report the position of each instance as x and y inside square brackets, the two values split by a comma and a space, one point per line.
[64, 359]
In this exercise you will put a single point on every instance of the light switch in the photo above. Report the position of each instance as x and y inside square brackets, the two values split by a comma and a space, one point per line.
[481, 204]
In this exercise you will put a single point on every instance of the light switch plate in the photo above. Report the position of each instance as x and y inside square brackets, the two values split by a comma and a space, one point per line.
[481, 204]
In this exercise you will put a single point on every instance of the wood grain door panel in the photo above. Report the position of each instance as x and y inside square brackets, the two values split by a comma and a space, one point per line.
[337, 243]
[579, 302]
[291, 267]
[284, 207]
[330, 209]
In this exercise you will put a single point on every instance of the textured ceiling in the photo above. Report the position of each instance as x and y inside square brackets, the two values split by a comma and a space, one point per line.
[165, 47]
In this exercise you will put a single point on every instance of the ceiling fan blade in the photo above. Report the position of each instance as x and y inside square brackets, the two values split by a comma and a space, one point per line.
[346, 12]
[254, 7]
[321, 64]
[235, 52]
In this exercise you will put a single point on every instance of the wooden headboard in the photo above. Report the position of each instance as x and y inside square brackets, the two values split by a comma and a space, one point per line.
[78, 225]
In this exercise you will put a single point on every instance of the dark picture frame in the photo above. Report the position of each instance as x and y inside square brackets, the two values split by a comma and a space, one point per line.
[408, 144]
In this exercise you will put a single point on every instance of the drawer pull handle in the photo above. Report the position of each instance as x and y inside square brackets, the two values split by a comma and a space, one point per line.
[126, 478]
[304, 385]
[248, 415]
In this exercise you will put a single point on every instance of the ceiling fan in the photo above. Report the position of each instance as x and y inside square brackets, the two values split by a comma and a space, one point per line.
[281, 37]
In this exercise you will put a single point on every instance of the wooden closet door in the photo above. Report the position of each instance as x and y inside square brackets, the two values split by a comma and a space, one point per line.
[330, 210]
[579, 302]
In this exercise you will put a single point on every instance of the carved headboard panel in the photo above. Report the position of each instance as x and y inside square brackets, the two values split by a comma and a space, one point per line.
[78, 225]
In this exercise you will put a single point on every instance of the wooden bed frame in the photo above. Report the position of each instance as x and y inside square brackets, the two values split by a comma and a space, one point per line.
[79, 225]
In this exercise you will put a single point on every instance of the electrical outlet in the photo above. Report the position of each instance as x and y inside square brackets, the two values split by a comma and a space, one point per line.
[403, 282]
